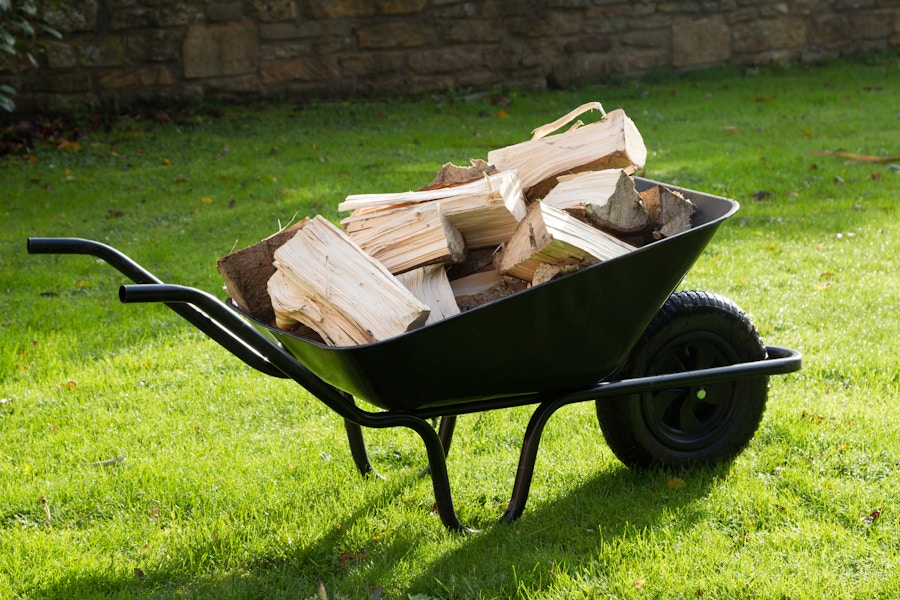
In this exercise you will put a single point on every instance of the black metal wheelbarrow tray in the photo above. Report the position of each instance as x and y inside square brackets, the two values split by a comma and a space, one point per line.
[678, 378]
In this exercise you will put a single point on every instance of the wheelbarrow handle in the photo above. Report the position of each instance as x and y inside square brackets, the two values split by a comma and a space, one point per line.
[140, 275]
[113, 257]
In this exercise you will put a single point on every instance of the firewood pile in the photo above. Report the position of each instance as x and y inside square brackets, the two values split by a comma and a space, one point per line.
[531, 212]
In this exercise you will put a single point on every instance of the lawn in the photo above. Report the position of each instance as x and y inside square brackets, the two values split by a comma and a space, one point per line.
[140, 460]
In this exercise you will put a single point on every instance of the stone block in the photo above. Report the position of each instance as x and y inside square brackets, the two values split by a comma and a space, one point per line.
[467, 31]
[220, 49]
[153, 45]
[60, 55]
[338, 9]
[765, 35]
[242, 84]
[444, 60]
[395, 34]
[153, 76]
[274, 11]
[371, 63]
[301, 69]
[872, 25]
[590, 44]
[400, 7]
[220, 11]
[703, 41]
[99, 51]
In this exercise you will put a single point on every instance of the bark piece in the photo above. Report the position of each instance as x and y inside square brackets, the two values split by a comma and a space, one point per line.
[552, 236]
[613, 142]
[607, 199]
[484, 287]
[246, 272]
[430, 285]
[327, 282]
[670, 212]
[408, 237]
[451, 175]
[486, 211]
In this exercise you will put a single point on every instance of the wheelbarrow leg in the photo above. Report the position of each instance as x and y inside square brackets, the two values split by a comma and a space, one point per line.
[358, 449]
[440, 480]
[528, 457]
[445, 434]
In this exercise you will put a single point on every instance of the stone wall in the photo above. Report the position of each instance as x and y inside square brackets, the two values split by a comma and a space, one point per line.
[118, 53]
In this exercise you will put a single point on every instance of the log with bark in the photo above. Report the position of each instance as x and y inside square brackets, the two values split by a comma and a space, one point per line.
[407, 237]
[246, 272]
[328, 283]
[484, 287]
[613, 142]
[485, 210]
[606, 199]
[548, 235]
[669, 211]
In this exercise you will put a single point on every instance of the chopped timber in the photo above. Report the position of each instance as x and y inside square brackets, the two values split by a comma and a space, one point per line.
[545, 272]
[327, 282]
[430, 285]
[486, 211]
[246, 272]
[552, 236]
[483, 287]
[606, 199]
[450, 174]
[669, 211]
[408, 237]
[477, 260]
[613, 142]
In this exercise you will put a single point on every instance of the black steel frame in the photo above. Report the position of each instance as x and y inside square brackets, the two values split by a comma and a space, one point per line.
[233, 332]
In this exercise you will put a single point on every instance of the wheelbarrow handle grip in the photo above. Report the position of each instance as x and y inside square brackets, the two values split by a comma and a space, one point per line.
[115, 258]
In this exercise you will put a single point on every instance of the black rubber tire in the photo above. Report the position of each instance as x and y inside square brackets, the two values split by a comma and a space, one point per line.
[688, 426]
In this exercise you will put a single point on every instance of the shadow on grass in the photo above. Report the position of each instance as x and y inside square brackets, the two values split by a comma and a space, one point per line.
[614, 507]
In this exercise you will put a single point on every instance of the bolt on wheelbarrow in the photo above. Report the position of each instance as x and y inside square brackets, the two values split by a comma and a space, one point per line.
[678, 378]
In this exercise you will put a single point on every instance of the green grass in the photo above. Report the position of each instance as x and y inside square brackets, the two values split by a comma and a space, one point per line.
[237, 485]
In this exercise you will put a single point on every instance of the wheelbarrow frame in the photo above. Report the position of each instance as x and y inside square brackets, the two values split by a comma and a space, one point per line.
[256, 346]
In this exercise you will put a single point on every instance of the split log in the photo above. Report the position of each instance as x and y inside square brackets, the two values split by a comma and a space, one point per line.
[552, 236]
[483, 287]
[430, 285]
[408, 237]
[607, 199]
[246, 272]
[670, 212]
[327, 282]
[613, 142]
[486, 211]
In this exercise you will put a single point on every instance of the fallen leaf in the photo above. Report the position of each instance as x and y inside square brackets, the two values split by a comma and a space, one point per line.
[676, 483]
[762, 195]
[206, 200]
[502, 114]
[873, 516]
[139, 574]
[167, 161]
[639, 583]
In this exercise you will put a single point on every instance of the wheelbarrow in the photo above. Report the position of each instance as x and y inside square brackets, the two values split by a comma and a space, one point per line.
[679, 378]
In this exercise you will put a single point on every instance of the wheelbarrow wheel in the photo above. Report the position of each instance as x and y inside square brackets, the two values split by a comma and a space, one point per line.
[688, 425]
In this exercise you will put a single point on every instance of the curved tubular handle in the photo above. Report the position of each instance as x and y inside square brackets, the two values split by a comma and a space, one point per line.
[139, 274]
